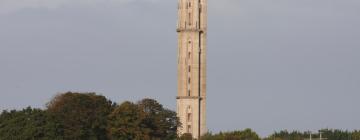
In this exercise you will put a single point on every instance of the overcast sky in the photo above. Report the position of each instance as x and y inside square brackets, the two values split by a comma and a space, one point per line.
[272, 64]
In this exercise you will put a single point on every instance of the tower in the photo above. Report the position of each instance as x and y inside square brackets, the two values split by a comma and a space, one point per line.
[191, 99]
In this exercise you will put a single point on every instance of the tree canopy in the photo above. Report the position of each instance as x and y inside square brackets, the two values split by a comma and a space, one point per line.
[28, 124]
[146, 120]
[246, 134]
[81, 116]
[88, 116]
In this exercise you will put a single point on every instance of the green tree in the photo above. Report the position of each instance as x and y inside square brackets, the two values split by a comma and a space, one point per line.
[146, 120]
[186, 136]
[82, 116]
[161, 122]
[246, 134]
[335, 134]
[28, 124]
[125, 123]
[285, 135]
[355, 135]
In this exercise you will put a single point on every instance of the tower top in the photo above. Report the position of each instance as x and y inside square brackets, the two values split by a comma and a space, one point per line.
[192, 15]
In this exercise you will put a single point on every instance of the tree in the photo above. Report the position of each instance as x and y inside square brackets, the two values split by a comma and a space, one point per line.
[146, 120]
[285, 135]
[355, 135]
[335, 134]
[27, 124]
[124, 123]
[186, 136]
[81, 115]
[246, 134]
[161, 122]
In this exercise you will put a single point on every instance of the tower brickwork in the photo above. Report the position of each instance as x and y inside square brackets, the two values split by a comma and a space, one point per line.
[191, 99]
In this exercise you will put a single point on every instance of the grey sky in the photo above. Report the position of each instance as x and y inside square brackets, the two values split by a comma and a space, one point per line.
[273, 64]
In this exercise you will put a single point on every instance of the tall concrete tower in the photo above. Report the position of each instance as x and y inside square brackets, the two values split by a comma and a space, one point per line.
[191, 99]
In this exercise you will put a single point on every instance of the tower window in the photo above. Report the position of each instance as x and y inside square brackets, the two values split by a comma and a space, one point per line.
[189, 92]
[189, 128]
[189, 117]
[190, 21]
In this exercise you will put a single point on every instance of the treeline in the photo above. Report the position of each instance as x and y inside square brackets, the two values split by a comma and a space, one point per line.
[326, 134]
[246, 134]
[87, 116]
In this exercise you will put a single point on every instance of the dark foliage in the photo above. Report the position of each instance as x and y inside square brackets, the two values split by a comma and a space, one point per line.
[146, 120]
[81, 116]
[328, 134]
[28, 124]
[246, 134]
[87, 116]
[186, 136]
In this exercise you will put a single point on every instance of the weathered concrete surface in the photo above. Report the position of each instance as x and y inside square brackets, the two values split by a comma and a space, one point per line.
[191, 100]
